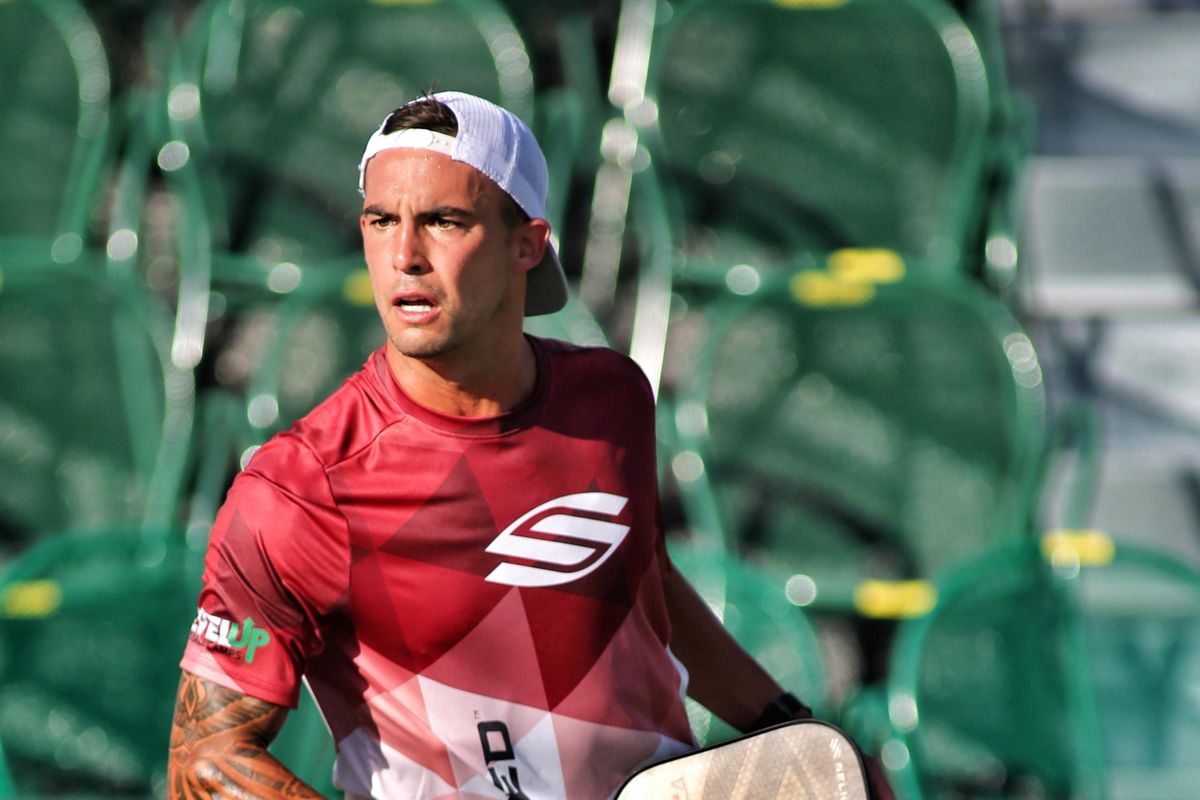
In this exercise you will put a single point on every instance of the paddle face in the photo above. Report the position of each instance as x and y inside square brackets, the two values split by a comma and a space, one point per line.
[804, 760]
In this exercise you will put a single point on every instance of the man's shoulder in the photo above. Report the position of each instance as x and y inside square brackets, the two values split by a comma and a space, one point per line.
[594, 363]
[335, 429]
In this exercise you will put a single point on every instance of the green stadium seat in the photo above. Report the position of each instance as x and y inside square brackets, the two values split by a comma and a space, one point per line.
[96, 411]
[1065, 669]
[63, 464]
[845, 431]
[981, 695]
[768, 137]
[96, 420]
[56, 129]
[92, 624]
[781, 129]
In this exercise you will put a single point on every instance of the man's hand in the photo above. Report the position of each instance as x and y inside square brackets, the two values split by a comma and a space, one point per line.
[219, 745]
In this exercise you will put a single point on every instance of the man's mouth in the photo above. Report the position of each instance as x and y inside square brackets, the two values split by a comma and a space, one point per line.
[414, 306]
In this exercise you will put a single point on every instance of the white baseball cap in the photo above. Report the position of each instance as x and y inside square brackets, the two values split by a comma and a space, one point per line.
[496, 142]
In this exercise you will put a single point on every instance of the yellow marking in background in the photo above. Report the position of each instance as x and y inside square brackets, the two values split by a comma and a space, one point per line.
[1089, 548]
[820, 289]
[867, 265]
[894, 599]
[31, 599]
[357, 288]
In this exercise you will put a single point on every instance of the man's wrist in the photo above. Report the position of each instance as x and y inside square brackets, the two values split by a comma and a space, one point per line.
[784, 708]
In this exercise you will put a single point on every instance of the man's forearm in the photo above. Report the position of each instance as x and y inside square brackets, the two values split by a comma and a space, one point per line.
[219, 746]
[723, 677]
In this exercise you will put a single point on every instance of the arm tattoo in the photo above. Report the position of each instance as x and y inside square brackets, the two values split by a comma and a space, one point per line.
[219, 746]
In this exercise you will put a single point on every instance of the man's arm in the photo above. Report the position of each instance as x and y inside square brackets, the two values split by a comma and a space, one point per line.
[723, 677]
[219, 745]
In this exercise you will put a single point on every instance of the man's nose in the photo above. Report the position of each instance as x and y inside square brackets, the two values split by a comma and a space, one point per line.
[409, 253]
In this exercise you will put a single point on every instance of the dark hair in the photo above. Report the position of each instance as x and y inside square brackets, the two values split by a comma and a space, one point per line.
[434, 115]
[426, 113]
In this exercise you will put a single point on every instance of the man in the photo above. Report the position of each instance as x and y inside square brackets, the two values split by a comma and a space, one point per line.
[460, 550]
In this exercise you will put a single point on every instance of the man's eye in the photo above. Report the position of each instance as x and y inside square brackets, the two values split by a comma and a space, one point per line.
[443, 224]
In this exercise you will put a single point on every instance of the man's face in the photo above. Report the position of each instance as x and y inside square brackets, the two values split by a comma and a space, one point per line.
[446, 269]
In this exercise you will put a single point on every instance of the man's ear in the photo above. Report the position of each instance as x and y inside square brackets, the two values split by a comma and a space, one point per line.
[531, 240]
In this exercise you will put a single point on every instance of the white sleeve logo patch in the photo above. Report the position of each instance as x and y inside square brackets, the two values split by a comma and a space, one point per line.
[554, 561]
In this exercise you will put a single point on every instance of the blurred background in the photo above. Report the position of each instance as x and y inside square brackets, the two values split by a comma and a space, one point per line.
[915, 282]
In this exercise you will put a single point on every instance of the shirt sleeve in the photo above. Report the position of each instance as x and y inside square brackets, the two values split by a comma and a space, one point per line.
[276, 567]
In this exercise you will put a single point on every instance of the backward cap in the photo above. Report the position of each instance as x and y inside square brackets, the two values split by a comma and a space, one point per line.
[499, 144]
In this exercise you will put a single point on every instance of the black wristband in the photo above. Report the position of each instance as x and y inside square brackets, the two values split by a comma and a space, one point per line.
[784, 708]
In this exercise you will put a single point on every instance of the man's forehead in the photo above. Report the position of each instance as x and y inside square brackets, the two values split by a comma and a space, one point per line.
[424, 173]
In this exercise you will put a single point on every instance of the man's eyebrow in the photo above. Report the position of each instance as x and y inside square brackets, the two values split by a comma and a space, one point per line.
[437, 211]
[448, 211]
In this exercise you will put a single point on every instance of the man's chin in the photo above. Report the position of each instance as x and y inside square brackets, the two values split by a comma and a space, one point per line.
[421, 347]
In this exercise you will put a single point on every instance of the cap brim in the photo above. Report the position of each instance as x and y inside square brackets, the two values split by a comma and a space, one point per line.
[546, 285]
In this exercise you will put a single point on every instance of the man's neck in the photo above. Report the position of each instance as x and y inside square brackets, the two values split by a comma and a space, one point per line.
[468, 389]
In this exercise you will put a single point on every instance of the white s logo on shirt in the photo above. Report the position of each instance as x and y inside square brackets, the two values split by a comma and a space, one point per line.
[564, 561]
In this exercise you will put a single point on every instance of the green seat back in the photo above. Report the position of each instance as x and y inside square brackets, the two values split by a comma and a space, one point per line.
[92, 625]
[979, 687]
[883, 437]
[788, 127]
[276, 100]
[82, 404]
[1065, 670]
[54, 89]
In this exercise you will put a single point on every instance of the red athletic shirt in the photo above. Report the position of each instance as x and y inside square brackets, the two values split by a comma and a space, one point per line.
[476, 604]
